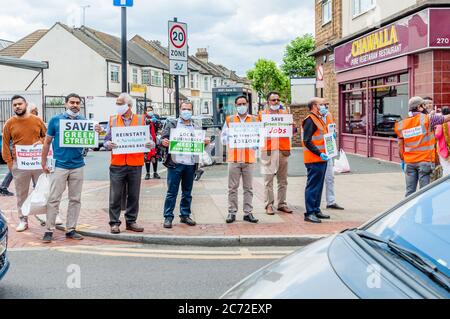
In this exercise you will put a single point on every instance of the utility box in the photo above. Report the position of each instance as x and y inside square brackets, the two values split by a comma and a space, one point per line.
[302, 90]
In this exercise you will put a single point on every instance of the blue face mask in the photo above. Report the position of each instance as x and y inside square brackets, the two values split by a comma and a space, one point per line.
[323, 110]
[150, 113]
[186, 115]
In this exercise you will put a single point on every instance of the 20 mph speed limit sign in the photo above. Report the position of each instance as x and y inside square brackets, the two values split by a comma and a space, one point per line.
[178, 48]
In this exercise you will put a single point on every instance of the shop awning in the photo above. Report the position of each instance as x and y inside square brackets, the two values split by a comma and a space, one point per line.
[23, 64]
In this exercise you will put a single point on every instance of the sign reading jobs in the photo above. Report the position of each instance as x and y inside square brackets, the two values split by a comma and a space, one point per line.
[130, 140]
[29, 157]
[244, 135]
[74, 133]
[277, 125]
[187, 142]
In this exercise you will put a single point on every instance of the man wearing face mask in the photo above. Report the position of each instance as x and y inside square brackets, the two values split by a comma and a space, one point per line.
[274, 158]
[181, 170]
[22, 129]
[126, 169]
[417, 144]
[329, 175]
[241, 163]
[315, 158]
[68, 170]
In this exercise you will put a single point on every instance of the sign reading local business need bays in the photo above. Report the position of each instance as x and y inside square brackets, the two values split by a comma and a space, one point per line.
[75, 133]
[277, 125]
[244, 135]
[330, 145]
[29, 157]
[187, 142]
[130, 139]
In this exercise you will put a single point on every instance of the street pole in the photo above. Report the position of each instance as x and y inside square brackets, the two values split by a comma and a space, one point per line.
[84, 13]
[124, 51]
[177, 90]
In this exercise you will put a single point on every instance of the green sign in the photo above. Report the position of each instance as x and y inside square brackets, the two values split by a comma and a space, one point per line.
[77, 134]
[187, 142]
[177, 147]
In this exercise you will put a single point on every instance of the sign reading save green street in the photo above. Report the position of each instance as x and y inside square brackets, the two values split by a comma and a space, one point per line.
[187, 142]
[75, 133]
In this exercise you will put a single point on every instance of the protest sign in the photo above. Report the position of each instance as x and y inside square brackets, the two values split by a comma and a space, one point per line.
[244, 135]
[187, 142]
[130, 139]
[330, 145]
[29, 157]
[277, 125]
[74, 133]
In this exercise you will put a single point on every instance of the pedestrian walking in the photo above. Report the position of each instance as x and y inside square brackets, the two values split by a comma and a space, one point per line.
[274, 158]
[417, 143]
[5, 185]
[34, 110]
[181, 170]
[241, 164]
[315, 158]
[22, 129]
[126, 169]
[329, 175]
[68, 171]
[443, 137]
[153, 157]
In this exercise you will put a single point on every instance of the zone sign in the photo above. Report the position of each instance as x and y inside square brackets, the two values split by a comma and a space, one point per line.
[178, 47]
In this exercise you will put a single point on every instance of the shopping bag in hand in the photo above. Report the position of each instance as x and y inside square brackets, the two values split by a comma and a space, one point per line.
[342, 165]
[36, 202]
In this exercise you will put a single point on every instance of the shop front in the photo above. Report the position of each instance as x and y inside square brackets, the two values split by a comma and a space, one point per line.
[378, 73]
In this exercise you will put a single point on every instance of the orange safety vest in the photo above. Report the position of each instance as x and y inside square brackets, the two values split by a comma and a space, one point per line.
[243, 155]
[419, 139]
[136, 159]
[317, 140]
[276, 143]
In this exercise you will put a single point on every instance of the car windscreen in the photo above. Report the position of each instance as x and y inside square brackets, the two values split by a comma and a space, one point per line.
[422, 224]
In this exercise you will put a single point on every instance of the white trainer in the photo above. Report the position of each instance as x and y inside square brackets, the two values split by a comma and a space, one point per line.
[23, 226]
[58, 220]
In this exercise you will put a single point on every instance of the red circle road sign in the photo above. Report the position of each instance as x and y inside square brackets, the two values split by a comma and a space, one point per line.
[320, 73]
[175, 37]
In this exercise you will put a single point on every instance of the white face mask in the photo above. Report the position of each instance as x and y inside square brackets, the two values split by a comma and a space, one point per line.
[275, 107]
[122, 109]
[72, 114]
[242, 109]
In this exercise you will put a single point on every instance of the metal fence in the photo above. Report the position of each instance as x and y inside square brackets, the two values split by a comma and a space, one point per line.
[6, 112]
[55, 105]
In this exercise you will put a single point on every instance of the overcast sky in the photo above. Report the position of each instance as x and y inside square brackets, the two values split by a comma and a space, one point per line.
[236, 32]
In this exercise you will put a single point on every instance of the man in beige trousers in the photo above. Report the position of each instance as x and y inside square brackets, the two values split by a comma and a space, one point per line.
[68, 170]
[23, 129]
[241, 163]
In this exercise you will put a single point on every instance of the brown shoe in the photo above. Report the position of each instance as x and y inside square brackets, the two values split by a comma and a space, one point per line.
[269, 210]
[285, 209]
[135, 227]
[115, 229]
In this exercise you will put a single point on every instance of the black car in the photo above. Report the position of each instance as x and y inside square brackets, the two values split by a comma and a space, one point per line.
[4, 263]
[403, 253]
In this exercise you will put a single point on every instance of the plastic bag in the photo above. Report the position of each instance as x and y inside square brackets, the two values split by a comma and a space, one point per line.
[36, 202]
[342, 165]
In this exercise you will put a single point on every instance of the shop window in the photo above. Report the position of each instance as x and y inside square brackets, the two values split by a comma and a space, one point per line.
[355, 112]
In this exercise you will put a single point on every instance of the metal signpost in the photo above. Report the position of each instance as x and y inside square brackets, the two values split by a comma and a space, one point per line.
[124, 4]
[178, 55]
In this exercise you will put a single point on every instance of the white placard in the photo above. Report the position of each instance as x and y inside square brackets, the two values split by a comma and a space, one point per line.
[130, 139]
[28, 157]
[277, 125]
[187, 142]
[330, 145]
[244, 135]
[77, 133]
[332, 128]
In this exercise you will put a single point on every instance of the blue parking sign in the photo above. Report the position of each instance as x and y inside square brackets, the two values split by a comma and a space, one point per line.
[123, 3]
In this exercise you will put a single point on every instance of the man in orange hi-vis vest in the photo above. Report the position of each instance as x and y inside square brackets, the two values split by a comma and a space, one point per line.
[417, 144]
[126, 169]
[315, 158]
[274, 159]
[241, 163]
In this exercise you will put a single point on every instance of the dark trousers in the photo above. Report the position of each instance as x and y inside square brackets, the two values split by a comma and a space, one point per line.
[7, 180]
[155, 166]
[183, 174]
[314, 187]
[125, 187]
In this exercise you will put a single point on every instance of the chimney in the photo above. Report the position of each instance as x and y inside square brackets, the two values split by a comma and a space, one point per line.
[202, 55]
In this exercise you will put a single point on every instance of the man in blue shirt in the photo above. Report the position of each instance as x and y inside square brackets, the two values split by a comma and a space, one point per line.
[68, 169]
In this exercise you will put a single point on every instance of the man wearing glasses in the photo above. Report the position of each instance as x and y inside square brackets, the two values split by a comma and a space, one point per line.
[274, 158]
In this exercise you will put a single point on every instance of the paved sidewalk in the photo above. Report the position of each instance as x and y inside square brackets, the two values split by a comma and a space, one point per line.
[363, 195]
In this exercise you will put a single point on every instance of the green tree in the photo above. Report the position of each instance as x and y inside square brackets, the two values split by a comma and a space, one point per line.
[266, 77]
[297, 61]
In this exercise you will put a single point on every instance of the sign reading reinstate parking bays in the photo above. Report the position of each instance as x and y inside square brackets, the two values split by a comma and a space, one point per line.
[130, 139]
[187, 142]
[75, 133]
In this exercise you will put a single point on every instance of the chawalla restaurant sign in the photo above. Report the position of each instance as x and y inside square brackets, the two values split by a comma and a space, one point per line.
[429, 28]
